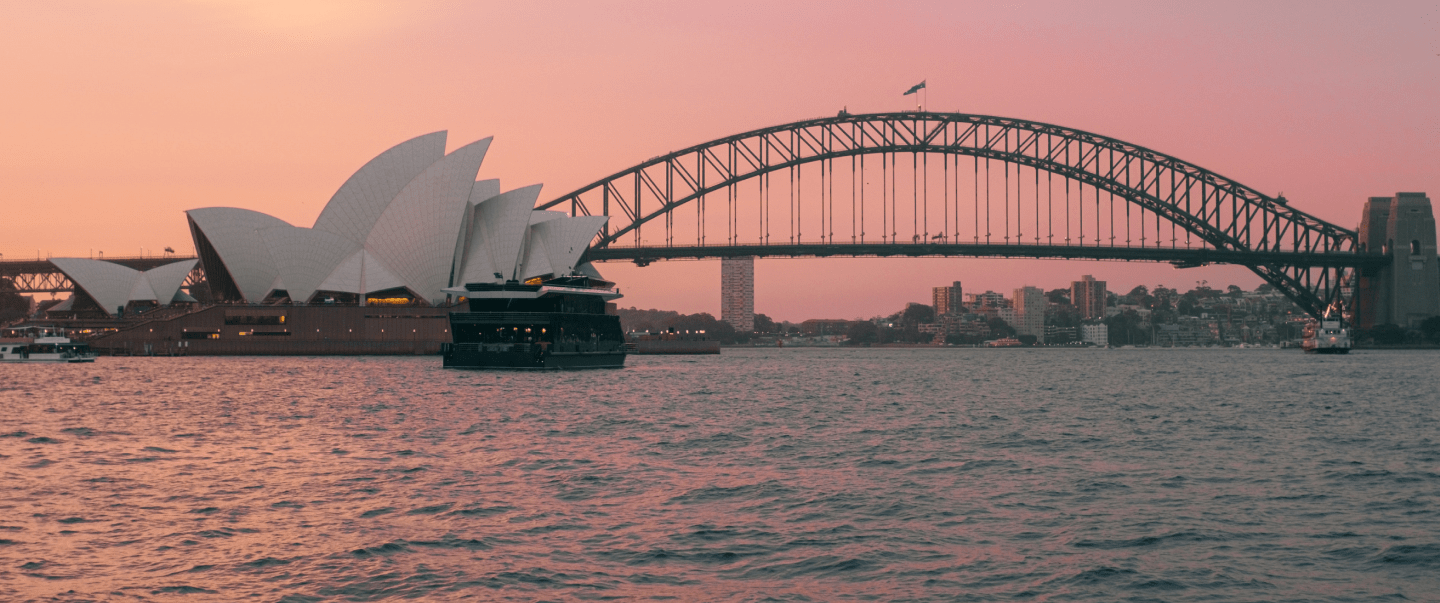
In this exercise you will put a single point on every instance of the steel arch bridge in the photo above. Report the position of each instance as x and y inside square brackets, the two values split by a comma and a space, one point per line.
[1182, 213]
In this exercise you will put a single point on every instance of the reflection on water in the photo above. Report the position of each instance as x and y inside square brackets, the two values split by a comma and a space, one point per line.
[941, 475]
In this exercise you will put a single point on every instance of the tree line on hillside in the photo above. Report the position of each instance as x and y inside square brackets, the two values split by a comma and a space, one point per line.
[655, 321]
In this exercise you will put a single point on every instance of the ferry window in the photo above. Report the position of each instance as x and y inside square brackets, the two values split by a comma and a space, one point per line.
[1414, 247]
[254, 319]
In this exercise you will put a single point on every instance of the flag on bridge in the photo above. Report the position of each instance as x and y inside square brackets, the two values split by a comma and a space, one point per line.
[914, 89]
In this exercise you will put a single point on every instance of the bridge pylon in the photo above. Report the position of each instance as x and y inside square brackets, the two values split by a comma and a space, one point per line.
[1406, 290]
[737, 293]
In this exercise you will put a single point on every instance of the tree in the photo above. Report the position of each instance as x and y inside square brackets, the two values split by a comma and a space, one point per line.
[763, 324]
[1387, 334]
[12, 304]
[1234, 291]
[1125, 329]
[1028, 340]
[1164, 298]
[915, 314]
[1058, 296]
[1430, 327]
[862, 331]
[999, 328]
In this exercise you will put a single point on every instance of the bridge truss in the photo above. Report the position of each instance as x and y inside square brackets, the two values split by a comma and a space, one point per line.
[1004, 188]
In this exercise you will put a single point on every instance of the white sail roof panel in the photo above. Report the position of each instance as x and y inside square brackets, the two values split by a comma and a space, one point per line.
[355, 208]
[305, 257]
[166, 280]
[360, 273]
[566, 239]
[504, 219]
[108, 283]
[235, 235]
[534, 262]
[415, 236]
[480, 191]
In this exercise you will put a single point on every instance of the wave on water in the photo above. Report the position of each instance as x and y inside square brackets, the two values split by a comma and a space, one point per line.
[755, 475]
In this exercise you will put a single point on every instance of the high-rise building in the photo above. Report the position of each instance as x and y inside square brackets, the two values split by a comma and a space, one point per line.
[737, 293]
[947, 300]
[988, 299]
[1029, 304]
[1088, 296]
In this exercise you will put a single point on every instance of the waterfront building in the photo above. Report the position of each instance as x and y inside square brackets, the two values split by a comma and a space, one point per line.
[947, 300]
[1029, 304]
[1059, 334]
[737, 293]
[825, 326]
[1095, 334]
[408, 224]
[987, 299]
[369, 277]
[1011, 316]
[1088, 296]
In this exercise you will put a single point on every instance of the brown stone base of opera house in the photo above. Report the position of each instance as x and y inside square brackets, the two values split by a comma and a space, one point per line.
[229, 330]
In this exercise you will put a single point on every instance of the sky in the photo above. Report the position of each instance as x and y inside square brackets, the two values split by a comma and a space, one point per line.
[117, 117]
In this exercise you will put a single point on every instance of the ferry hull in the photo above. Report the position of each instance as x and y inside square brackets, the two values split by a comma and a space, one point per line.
[46, 360]
[462, 357]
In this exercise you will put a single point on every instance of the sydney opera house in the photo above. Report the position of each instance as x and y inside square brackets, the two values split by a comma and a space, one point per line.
[369, 276]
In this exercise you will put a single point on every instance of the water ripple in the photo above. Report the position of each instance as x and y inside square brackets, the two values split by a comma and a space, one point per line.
[758, 475]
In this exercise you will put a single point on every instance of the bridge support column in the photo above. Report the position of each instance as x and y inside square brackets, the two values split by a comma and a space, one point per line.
[737, 293]
[1408, 290]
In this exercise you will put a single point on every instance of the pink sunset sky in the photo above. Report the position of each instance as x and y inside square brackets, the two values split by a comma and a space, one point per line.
[120, 116]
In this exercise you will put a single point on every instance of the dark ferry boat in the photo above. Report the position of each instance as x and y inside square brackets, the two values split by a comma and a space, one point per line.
[560, 323]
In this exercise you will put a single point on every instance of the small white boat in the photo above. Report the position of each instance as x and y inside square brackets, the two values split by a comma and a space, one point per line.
[42, 344]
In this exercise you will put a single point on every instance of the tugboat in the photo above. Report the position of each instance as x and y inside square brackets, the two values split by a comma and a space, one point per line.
[1326, 336]
[559, 323]
[42, 344]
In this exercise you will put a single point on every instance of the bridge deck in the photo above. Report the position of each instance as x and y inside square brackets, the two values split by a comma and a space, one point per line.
[1180, 257]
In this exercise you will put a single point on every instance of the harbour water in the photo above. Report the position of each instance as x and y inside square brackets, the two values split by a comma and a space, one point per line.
[755, 475]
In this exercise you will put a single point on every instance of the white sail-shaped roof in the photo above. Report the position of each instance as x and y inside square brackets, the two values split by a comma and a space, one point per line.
[535, 262]
[484, 189]
[415, 236]
[141, 290]
[476, 266]
[166, 280]
[480, 191]
[588, 269]
[566, 239]
[112, 286]
[412, 217]
[107, 283]
[355, 208]
[504, 219]
[360, 273]
[235, 235]
[305, 257]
